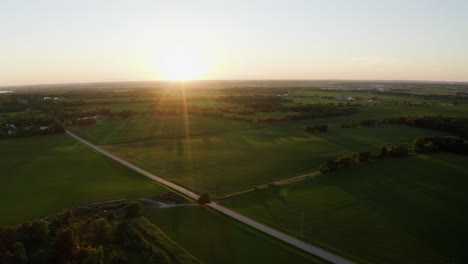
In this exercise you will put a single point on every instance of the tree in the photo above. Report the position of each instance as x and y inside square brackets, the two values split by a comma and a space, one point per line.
[204, 198]
[65, 244]
[364, 156]
[133, 209]
[383, 152]
[397, 151]
[100, 227]
[329, 166]
[18, 254]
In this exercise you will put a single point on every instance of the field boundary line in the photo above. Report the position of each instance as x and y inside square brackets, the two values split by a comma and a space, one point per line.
[271, 185]
[288, 239]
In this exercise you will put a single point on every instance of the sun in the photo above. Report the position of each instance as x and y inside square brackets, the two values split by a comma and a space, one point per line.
[180, 63]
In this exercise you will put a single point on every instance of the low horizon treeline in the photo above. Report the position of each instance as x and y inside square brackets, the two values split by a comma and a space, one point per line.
[455, 125]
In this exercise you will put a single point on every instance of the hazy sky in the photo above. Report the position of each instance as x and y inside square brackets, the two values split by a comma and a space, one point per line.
[87, 41]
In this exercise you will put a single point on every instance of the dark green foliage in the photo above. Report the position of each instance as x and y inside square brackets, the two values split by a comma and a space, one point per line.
[360, 123]
[16, 256]
[30, 125]
[456, 125]
[110, 216]
[344, 162]
[204, 199]
[383, 152]
[361, 157]
[100, 230]
[318, 128]
[87, 240]
[365, 156]
[445, 144]
[65, 244]
[397, 151]
[329, 166]
[133, 209]
[94, 256]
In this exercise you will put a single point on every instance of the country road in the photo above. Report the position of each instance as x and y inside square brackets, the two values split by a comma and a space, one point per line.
[215, 206]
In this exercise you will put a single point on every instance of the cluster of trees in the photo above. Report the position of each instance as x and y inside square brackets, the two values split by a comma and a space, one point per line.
[317, 128]
[455, 125]
[28, 125]
[72, 114]
[362, 157]
[360, 123]
[67, 239]
[324, 111]
[440, 143]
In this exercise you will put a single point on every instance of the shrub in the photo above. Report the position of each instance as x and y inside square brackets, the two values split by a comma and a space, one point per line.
[133, 209]
[397, 151]
[204, 198]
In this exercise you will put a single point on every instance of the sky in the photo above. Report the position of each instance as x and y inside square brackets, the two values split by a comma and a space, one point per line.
[98, 41]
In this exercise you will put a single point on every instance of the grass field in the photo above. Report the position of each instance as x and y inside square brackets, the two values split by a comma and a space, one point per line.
[410, 210]
[229, 162]
[213, 238]
[47, 173]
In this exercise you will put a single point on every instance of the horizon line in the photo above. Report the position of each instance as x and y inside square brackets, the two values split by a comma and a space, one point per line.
[235, 80]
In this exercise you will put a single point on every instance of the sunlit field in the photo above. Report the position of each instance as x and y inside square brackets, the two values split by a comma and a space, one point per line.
[232, 161]
[47, 173]
[411, 210]
[248, 148]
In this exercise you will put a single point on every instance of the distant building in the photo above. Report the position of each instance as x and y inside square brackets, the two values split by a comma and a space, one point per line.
[46, 98]
[44, 128]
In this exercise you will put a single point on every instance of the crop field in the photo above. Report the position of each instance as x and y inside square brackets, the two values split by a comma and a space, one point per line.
[117, 130]
[47, 173]
[229, 162]
[409, 210]
[213, 238]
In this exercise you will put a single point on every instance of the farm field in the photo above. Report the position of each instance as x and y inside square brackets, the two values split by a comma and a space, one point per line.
[229, 162]
[412, 210]
[214, 238]
[117, 130]
[47, 173]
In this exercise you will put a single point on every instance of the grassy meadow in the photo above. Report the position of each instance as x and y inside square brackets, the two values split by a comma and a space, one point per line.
[43, 174]
[409, 210]
[214, 238]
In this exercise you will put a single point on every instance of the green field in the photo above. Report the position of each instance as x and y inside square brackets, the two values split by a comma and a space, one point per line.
[223, 163]
[410, 210]
[213, 238]
[118, 130]
[47, 173]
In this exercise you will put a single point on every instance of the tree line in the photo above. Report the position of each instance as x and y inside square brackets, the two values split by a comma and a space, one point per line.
[317, 128]
[455, 125]
[29, 125]
[354, 159]
[448, 144]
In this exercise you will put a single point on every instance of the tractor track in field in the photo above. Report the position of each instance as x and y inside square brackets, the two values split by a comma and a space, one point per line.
[288, 239]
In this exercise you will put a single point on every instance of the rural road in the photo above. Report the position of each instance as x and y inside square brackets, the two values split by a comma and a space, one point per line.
[239, 217]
